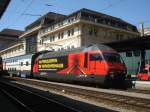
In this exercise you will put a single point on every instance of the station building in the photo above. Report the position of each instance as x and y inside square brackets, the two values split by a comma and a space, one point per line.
[10, 45]
[30, 37]
[84, 27]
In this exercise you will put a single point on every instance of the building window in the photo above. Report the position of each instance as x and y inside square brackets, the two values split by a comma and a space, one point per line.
[90, 31]
[129, 54]
[72, 47]
[59, 24]
[31, 44]
[62, 35]
[69, 21]
[72, 31]
[41, 41]
[68, 33]
[136, 53]
[59, 49]
[68, 47]
[59, 36]
[93, 31]
[62, 49]
[52, 38]
[62, 23]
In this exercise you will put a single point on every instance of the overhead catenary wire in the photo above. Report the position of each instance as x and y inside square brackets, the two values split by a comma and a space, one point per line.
[28, 14]
[112, 5]
[23, 12]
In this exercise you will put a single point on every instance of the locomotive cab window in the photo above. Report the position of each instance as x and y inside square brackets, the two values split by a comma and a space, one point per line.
[94, 57]
[113, 57]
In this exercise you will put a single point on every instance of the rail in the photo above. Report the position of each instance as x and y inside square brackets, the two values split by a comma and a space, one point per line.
[133, 102]
[32, 102]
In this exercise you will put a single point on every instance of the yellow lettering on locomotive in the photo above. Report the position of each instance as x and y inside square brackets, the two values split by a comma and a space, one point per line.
[47, 66]
[40, 66]
[48, 61]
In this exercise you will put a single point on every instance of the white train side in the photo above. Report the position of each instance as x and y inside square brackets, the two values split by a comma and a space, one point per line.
[18, 65]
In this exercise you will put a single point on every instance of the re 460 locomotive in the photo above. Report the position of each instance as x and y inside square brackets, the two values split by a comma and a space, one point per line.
[94, 64]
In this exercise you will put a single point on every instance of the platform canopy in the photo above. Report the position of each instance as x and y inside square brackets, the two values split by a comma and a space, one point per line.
[131, 44]
[3, 5]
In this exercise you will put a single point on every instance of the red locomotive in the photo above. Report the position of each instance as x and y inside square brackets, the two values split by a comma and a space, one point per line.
[95, 64]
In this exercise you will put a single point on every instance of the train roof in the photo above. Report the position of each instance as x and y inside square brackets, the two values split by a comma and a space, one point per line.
[19, 57]
[76, 50]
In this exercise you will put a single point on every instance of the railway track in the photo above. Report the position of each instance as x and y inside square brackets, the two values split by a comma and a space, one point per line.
[28, 101]
[136, 103]
[139, 91]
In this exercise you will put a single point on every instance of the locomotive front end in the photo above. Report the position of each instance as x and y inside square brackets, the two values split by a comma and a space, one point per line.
[116, 66]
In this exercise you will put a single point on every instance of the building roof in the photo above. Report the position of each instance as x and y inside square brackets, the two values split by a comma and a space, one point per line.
[48, 18]
[104, 19]
[3, 5]
[90, 15]
[11, 45]
[10, 33]
[52, 18]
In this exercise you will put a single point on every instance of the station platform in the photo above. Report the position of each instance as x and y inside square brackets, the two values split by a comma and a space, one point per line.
[6, 105]
[144, 85]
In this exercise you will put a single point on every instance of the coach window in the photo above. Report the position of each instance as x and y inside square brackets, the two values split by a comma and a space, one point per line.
[21, 63]
[27, 63]
[94, 57]
[129, 54]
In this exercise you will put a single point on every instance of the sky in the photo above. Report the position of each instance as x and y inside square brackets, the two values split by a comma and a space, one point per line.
[18, 13]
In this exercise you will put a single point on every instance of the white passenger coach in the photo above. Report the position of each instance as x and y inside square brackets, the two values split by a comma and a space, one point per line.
[19, 65]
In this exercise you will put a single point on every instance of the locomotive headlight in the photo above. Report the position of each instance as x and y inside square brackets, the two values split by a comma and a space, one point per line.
[111, 73]
[124, 72]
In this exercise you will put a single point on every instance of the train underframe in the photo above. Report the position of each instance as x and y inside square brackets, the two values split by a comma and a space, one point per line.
[103, 80]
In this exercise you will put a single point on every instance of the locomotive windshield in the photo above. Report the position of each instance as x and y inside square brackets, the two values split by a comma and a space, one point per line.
[113, 57]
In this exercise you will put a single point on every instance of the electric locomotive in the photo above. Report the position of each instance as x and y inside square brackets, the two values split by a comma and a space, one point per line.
[98, 64]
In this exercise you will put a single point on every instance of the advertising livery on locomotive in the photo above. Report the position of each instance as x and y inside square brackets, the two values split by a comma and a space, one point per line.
[96, 64]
